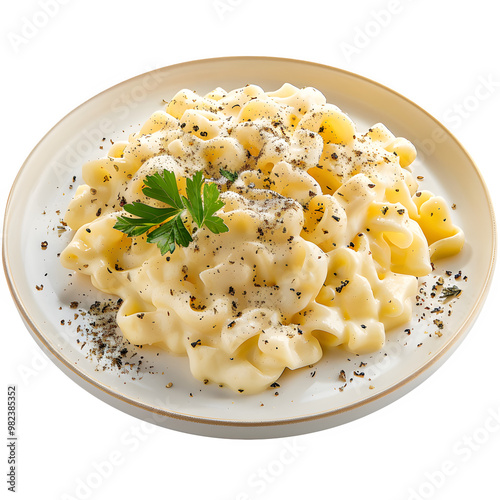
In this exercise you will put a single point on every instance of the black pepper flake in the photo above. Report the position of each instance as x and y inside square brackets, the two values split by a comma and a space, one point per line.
[44, 245]
[343, 284]
[197, 343]
[439, 323]
[342, 376]
[384, 210]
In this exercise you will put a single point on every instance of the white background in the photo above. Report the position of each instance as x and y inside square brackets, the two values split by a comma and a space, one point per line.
[439, 54]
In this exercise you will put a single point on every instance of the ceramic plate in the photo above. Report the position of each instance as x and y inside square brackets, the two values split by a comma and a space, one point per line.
[58, 307]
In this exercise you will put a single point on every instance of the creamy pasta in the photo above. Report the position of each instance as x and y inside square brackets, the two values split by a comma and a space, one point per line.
[327, 234]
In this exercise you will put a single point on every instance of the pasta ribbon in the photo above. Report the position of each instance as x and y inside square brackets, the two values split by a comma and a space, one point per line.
[327, 233]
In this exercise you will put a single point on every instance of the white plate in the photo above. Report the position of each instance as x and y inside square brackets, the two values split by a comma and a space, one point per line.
[306, 400]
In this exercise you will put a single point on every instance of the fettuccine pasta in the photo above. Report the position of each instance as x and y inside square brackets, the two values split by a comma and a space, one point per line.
[327, 234]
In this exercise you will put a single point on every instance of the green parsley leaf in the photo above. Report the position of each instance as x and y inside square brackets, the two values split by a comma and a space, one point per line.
[232, 176]
[162, 186]
[148, 217]
[212, 204]
[452, 291]
[164, 226]
[169, 234]
[193, 202]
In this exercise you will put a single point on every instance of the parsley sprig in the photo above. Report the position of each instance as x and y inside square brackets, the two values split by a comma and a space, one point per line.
[164, 226]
